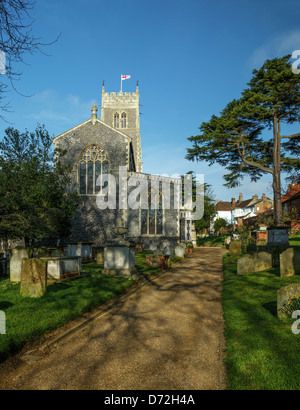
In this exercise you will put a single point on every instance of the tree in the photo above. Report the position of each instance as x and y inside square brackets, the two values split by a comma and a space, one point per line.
[234, 138]
[35, 203]
[208, 198]
[219, 223]
[16, 40]
[209, 209]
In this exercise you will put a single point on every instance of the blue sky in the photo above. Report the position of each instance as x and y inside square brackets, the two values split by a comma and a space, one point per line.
[190, 57]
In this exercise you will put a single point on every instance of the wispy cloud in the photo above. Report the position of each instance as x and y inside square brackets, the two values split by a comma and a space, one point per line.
[277, 46]
[56, 111]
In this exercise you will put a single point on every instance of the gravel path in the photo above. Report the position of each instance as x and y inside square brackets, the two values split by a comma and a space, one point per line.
[168, 335]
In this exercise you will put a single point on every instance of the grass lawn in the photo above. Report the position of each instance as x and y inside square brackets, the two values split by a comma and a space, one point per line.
[295, 240]
[28, 319]
[211, 241]
[262, 352]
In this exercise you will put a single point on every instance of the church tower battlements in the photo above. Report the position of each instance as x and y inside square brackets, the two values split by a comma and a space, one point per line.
[121, 111]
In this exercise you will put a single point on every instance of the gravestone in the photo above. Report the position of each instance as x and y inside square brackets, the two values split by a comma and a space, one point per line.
[258, 262]
[15, 263]
[235, 248]
[119, 259]
[290, 262]
[62, 267]
[283, 296]
[179, 251]
[245, 264]
[168, 251]
[278, 236]
[83, 249]
[152, 247]
[262, 261]
[33, 278]
[2, 323]
[156, 261]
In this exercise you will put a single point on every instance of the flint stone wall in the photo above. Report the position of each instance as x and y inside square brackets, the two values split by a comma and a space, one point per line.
[90, 223]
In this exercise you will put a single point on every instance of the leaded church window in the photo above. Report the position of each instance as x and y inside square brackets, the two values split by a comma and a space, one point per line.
[116, 120]
[123, 120]
[152, 215]
[93, 163]
[131, 159]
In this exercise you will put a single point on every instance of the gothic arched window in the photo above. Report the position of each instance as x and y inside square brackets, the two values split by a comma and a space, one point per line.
[93, 163]
[152, 215]
[123, 120]
[116, 120]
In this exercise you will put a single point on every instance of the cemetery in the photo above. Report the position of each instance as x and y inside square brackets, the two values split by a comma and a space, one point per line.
[258, 302]
[192, 290]
[42, 289]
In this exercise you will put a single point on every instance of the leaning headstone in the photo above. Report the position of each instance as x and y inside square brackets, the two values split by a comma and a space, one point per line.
[245, 264]
[235, 248]
[290, 262]
[33, 278]
[284, 296]
[179, 251]
[15, 264]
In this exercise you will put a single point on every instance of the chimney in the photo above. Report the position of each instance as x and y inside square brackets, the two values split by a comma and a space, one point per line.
[240, 198]
[94, 114]
[255, 197]
[264, 198]
[232, 202]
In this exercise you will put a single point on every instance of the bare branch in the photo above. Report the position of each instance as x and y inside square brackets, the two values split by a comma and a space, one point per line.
[16, 40]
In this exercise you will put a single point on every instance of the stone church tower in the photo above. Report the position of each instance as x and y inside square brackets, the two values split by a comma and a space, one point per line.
[121, 111]
[111, 147]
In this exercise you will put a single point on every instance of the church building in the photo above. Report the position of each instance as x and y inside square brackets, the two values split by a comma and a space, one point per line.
[107, 170]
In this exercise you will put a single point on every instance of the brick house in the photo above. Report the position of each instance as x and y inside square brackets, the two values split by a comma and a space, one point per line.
[237, 212]
[291, 204]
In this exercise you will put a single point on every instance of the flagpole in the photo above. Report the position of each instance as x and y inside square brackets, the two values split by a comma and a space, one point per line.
[121, 82]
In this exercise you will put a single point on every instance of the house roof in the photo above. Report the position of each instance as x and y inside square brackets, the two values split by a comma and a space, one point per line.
[292, 193]
[244, 204]
[223, 206]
